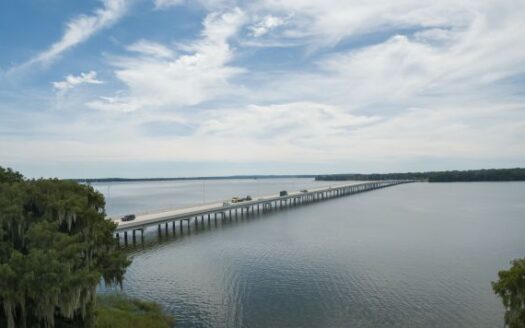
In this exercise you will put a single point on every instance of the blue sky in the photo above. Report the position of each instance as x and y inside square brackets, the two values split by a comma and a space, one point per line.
[147, 88]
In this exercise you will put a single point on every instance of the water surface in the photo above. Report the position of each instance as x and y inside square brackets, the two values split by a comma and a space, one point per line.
[415, 255]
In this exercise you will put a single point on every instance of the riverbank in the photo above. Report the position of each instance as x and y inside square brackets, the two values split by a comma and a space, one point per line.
[118, 311]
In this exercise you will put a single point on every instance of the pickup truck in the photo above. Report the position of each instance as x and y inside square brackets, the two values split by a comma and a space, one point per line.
[240, 199]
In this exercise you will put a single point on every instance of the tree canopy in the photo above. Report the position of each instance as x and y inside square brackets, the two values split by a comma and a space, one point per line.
[55, 247]
[511, 289]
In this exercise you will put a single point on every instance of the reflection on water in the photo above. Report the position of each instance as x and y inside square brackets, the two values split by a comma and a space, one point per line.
[419, 255]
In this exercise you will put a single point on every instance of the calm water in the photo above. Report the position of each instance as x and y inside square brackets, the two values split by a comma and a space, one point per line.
[415, 255]
[137, 197]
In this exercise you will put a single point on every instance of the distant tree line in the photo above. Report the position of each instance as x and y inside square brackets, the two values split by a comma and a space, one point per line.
[195, 178]
[515, 174]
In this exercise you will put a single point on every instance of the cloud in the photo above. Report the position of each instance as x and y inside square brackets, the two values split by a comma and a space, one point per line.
[72, 81]
[435, 84]
[117, 103]
[298, 122]
[167, 3]
[266, 24]
[323, 23]
[432, 65]
[198, 74]
[209, 4]
[81, 28]
[149, 48]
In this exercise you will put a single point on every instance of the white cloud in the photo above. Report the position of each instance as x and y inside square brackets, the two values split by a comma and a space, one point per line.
[168, 3]
[290, 122]
[192, 78]
[72, 81]
[117, 103]
[266, 24]
[326, 22]
[447, 66]
[209, 4]
[149, 48]
[442, 90]
[81, 28]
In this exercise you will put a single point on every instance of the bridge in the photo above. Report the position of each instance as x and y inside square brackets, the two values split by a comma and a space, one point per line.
[227, 210]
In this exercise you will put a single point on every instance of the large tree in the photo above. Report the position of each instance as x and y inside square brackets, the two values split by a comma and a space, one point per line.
[511, 288]
[55, 248]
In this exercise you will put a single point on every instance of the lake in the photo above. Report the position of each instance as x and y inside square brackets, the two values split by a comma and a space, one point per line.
[413, 255]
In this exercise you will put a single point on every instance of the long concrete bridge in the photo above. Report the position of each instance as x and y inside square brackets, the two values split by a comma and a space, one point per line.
[227, 210]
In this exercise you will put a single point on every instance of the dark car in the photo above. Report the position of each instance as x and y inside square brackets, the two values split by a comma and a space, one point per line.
[129, 217]
[283, 193]
[248, 198]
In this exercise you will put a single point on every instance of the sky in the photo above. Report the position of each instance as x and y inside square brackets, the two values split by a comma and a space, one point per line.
[171, 88]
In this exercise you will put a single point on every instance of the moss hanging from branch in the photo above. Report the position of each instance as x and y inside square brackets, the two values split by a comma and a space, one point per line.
[55, 246]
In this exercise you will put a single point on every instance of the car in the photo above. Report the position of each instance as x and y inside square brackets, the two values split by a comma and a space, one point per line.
[129, 217]
[283, 193]
[248, 197]
[304, 190]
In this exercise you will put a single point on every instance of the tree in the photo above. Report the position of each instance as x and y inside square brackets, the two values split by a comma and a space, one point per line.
[511, 288]
[55, 248]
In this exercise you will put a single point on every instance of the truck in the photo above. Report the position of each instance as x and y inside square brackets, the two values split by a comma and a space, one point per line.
[240, 199]
[283, 193]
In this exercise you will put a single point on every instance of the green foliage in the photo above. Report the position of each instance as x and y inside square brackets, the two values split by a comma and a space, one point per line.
[113, 311]
[55, 246]
[511, 288]
[10, 176]
[517, 174]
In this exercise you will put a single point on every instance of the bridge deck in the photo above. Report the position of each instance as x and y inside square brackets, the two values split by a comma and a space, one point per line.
[267, 202]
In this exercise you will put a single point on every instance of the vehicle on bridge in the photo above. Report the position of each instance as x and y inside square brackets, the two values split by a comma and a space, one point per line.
[304, 190]
[240, 199]
[129, 217]
[283, 193]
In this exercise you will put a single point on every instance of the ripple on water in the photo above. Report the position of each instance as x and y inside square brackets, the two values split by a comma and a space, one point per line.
[393, 257]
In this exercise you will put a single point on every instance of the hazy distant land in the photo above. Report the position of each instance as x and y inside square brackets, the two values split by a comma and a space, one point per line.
[513, 174]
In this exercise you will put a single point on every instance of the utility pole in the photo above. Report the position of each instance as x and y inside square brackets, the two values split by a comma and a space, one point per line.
[203, 191]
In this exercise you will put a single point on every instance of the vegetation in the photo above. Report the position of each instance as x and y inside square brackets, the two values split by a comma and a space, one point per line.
[516, 174]
[511, 288]
[55, 247]
[195, 178]
[115, 311]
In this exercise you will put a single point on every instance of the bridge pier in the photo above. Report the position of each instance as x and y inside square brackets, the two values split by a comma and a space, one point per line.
[246, 209]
